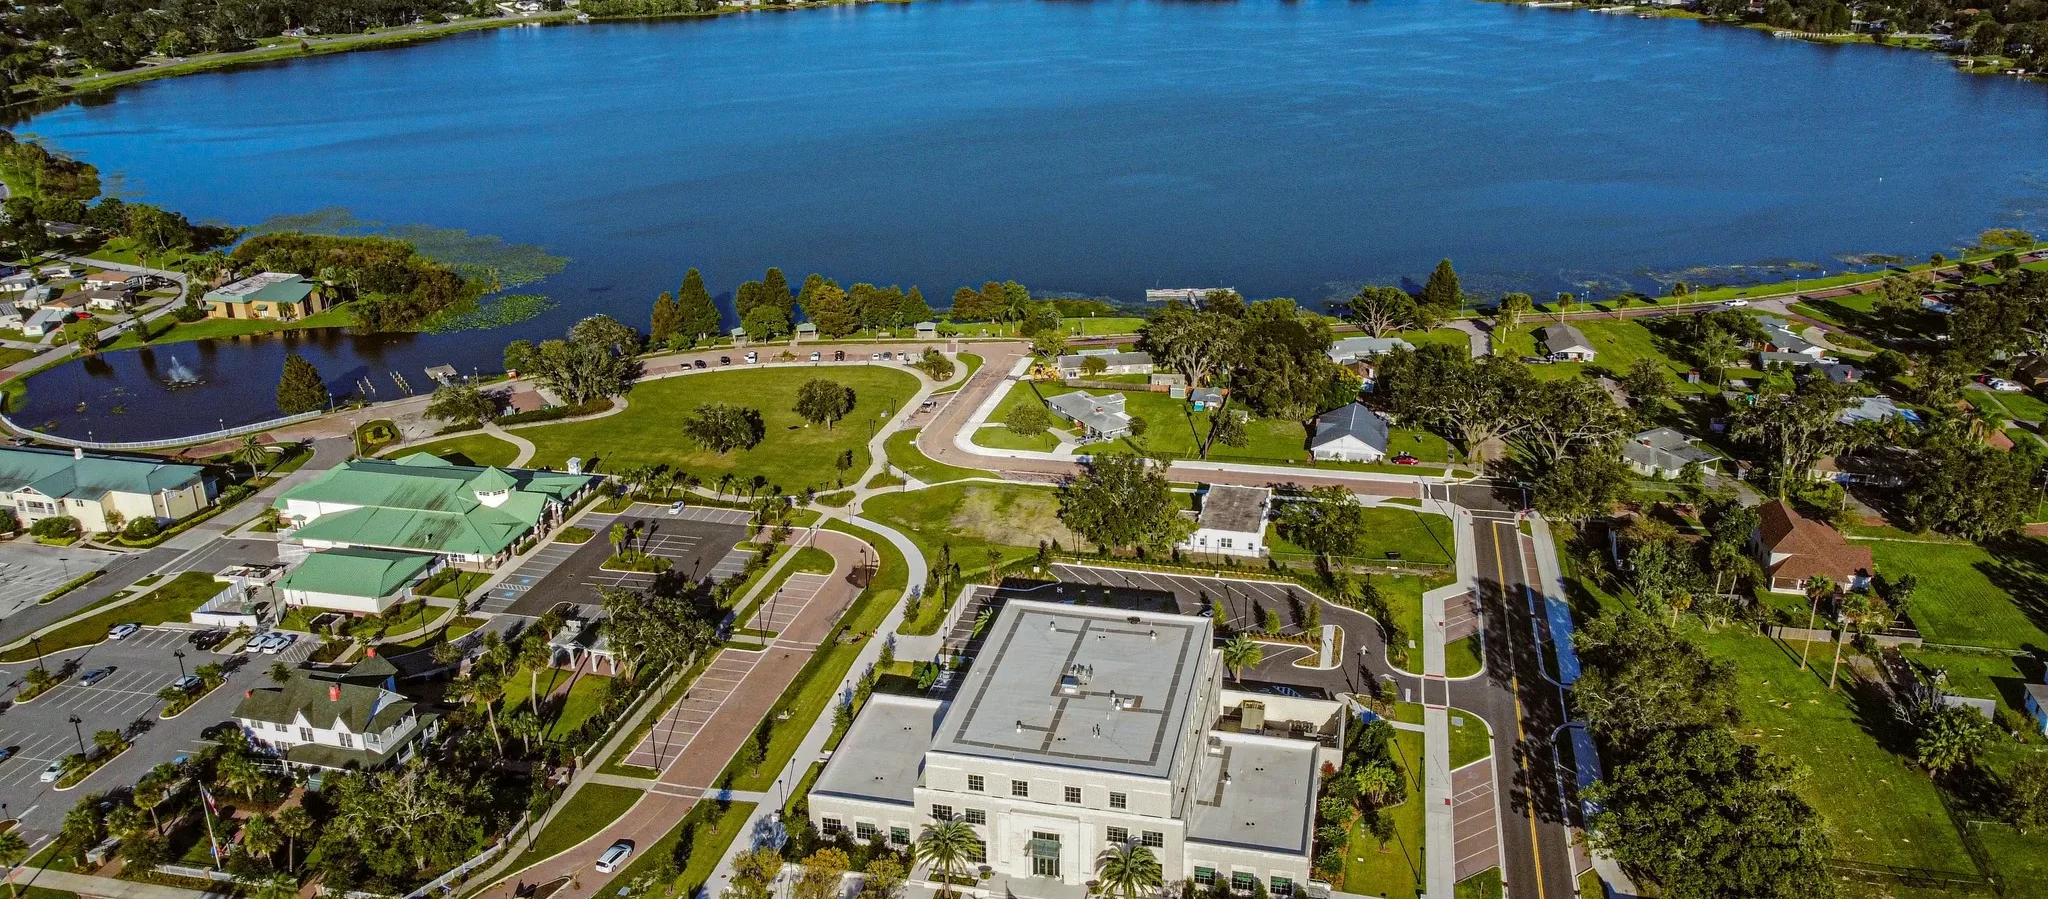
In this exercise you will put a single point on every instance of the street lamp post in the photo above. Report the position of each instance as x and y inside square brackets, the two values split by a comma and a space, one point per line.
[80, 734]
[37, 641]
[180, 654]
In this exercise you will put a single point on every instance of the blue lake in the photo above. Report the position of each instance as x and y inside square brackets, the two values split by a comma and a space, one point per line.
[1084, 146]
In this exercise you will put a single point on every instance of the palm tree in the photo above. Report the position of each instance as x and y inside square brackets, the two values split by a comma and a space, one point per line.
[1241, 653]
[534, 654]
[488, 689]
[250, 453]
[527, 726]
[619, 537]
[278, 886]
[947, 847]
[12, 850]
[280, 672]
[240, 774]
[294, 823]
[1128, 871]
[110, 741]
[261, 837]
[154, 788]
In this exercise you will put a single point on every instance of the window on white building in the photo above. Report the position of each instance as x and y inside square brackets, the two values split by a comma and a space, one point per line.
[866, 832]
[942, 813]
[975, 784]
[306, 734]
[831, 826]
[1153, 838]
[899, 836]
[1205, 876]
[1242, 881]
[1224, 542]
[978, 853]
[1118, 800]
[977, 816]
[1020, 788]
[1282, 888]
[1119, 835]
[1073, 795]
[347, 741]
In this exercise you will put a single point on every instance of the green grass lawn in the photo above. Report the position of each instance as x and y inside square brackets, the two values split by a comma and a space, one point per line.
[1100, 327]
[970, 363]
[469, 449]
[1403, 594]
[1487, 885]
[593, 807]
[792, 455]
[708, 830]
[999, 437]
[1995, 596]
[209, 328]
[566, 713]
[904, 454]
[1470, 741]
[172, 601]
[1396, 871]
[10, 355]
[1464, 657]
[1424, 538]
[972, 519]
[1877, 805]
[2020, 406]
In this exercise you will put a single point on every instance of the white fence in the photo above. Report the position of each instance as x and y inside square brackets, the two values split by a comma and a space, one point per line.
[167, 443]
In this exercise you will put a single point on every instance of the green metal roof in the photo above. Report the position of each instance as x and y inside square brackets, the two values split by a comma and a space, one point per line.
[278, 290]
[423, 502]
[323, 701]
[58, 474]
[355, 571]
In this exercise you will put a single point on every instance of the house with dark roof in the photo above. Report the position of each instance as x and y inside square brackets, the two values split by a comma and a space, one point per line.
[425, 504]
[101, 491]
[1793, 550]
[1565, 343]
[1349, 434]
[336, 720]
[1664, 453]
[1232, 521]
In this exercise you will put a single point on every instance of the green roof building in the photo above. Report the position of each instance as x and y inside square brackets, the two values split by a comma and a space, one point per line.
[278, 296]
[98, 490]
[353, 579]
[322, 718]
[425, 504]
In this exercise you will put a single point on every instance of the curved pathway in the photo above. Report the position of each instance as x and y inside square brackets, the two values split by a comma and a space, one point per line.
[524, 445]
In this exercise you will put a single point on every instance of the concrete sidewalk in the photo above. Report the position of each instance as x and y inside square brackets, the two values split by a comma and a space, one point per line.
[104, 887]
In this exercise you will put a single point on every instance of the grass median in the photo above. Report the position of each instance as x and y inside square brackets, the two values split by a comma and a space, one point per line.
[579, 818]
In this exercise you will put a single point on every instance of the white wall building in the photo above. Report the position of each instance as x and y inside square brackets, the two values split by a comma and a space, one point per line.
[335, 720]
[1232, 521]
[1081, 728]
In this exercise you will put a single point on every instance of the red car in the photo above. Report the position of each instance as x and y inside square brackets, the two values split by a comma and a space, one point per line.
[1406, 459]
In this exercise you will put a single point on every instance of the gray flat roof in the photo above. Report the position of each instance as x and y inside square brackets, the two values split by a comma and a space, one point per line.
[1229, 508]
[1081, 687]
[883, 752]
[1257, 792]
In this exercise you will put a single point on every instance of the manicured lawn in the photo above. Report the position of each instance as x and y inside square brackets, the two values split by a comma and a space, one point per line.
[792, 454]
[1098, 327]
[2019, 406]
[904, 454]
[173, 601]
[566, 713]
[1877, 805]
[703, 835]
[469, 449]
[584, 814]
[1424, 538]
[10, 355]
[1464, 657]
[1487, 885]
[1470, 741]
[972, 519]
[1395, 871]
[208, 328]
[1973, 595]
[999, 437]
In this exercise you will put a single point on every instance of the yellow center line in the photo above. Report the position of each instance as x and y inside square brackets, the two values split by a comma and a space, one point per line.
[1515, 685]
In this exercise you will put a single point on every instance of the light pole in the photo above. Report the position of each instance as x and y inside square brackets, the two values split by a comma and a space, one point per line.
[80, 734]
[180, 654]
[37, 641]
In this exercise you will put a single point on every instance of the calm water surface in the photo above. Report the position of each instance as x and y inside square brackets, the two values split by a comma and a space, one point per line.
[1100, 148]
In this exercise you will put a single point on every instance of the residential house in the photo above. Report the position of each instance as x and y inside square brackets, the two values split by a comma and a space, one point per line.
[10, 317]
[102, 491]
[117, 300]
[17, 282]
[425, 504]
[1793, 549]
[1078, 729]
[36, 298]
[1232, 521]
[1840, 372]
[277, 296]
[1114, 363]
[1567, 344]
[1878, 408]
[1358, 349]
[112, 280]
[2037, 706]
[336, 720]
[1664, 453]
[1779, 336]
[58, 271]
[1349, 434]
[45, 321]
[2031, 370]
[1206, 398]
[1101, 417]
[356, 579]
[1936, 304]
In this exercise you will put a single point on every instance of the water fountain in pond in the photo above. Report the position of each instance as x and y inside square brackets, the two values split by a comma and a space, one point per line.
[180, 375]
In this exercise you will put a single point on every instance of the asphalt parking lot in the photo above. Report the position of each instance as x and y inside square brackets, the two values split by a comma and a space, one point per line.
[699, 545]
[29, 572]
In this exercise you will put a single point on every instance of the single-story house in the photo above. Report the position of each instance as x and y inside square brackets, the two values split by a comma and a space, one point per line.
[112, 280]
[1567, 344]
[10, 316]
[1840, 372]
[1768, 358]
[36, 297]
[1354, 349]
[98, 490]
[1875, 408]
[17, 282]
[44, 321]
[2031, 370]
[1937, 304]
[337, 721]
[1779, 336]
[1206, 398]
[1099, 416]
[1793, 549]
[2037, 706]
[114, 300]
[278, 296]
[1349, 434]
[355, 579]
[1664, 453]
[58, 271]
[1114, 363]
[1232, 521]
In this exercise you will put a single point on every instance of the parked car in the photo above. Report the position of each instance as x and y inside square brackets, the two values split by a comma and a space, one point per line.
[700, 363]
[1406, 459]
[725, 360]
[264, 643]
[2004, 386]
[54, 771]
[614, 857]
[888, 355]
[186, 684]
[839, 355]
[1735, 304]
[280, 643]
[815, 355]
[94, 676]
[677, 507]
[6, 752]
[874, 357]
[207, 639]
[122, 631]
[753, 358]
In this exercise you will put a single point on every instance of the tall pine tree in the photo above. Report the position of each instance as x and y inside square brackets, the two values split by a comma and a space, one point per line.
[300, 388]
[775, 290]
[1442, 297]
[828, 307]
[696, 315]
[665, 326]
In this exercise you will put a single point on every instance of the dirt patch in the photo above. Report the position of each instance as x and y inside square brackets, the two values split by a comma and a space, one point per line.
[1016, 518]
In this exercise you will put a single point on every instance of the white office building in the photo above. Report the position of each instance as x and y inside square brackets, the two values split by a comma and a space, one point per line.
[1081, 728]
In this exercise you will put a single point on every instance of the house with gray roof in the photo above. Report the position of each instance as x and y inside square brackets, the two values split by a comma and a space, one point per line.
[1878, 408]
[101, 491]
[1232, 521]
[1781, 337]
[336, 720]
[1664, 453]
[1349, 434]
[1101, 417]
[1565, 343]
[1358, 349]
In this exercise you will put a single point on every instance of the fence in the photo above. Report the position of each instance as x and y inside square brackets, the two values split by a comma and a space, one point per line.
[482, 858]
[167, 443]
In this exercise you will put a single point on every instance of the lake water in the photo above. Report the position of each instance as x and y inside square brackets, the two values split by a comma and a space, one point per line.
[1085, 146]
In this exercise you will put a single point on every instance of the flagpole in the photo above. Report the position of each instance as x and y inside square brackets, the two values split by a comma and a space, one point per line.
[208, 811]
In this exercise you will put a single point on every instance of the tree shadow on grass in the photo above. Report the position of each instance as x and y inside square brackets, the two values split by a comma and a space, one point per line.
[2021, 571]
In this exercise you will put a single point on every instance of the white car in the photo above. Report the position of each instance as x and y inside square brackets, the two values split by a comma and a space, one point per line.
[677, 507]
[614, 857]
[279, 642]
[2004, 386]
[1735, 304]
[50, 774]
[753, 358]
[815, 356]
[122, 631]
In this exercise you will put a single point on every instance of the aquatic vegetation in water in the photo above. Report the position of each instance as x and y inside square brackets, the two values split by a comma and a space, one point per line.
[490, 312]
[484, 258]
